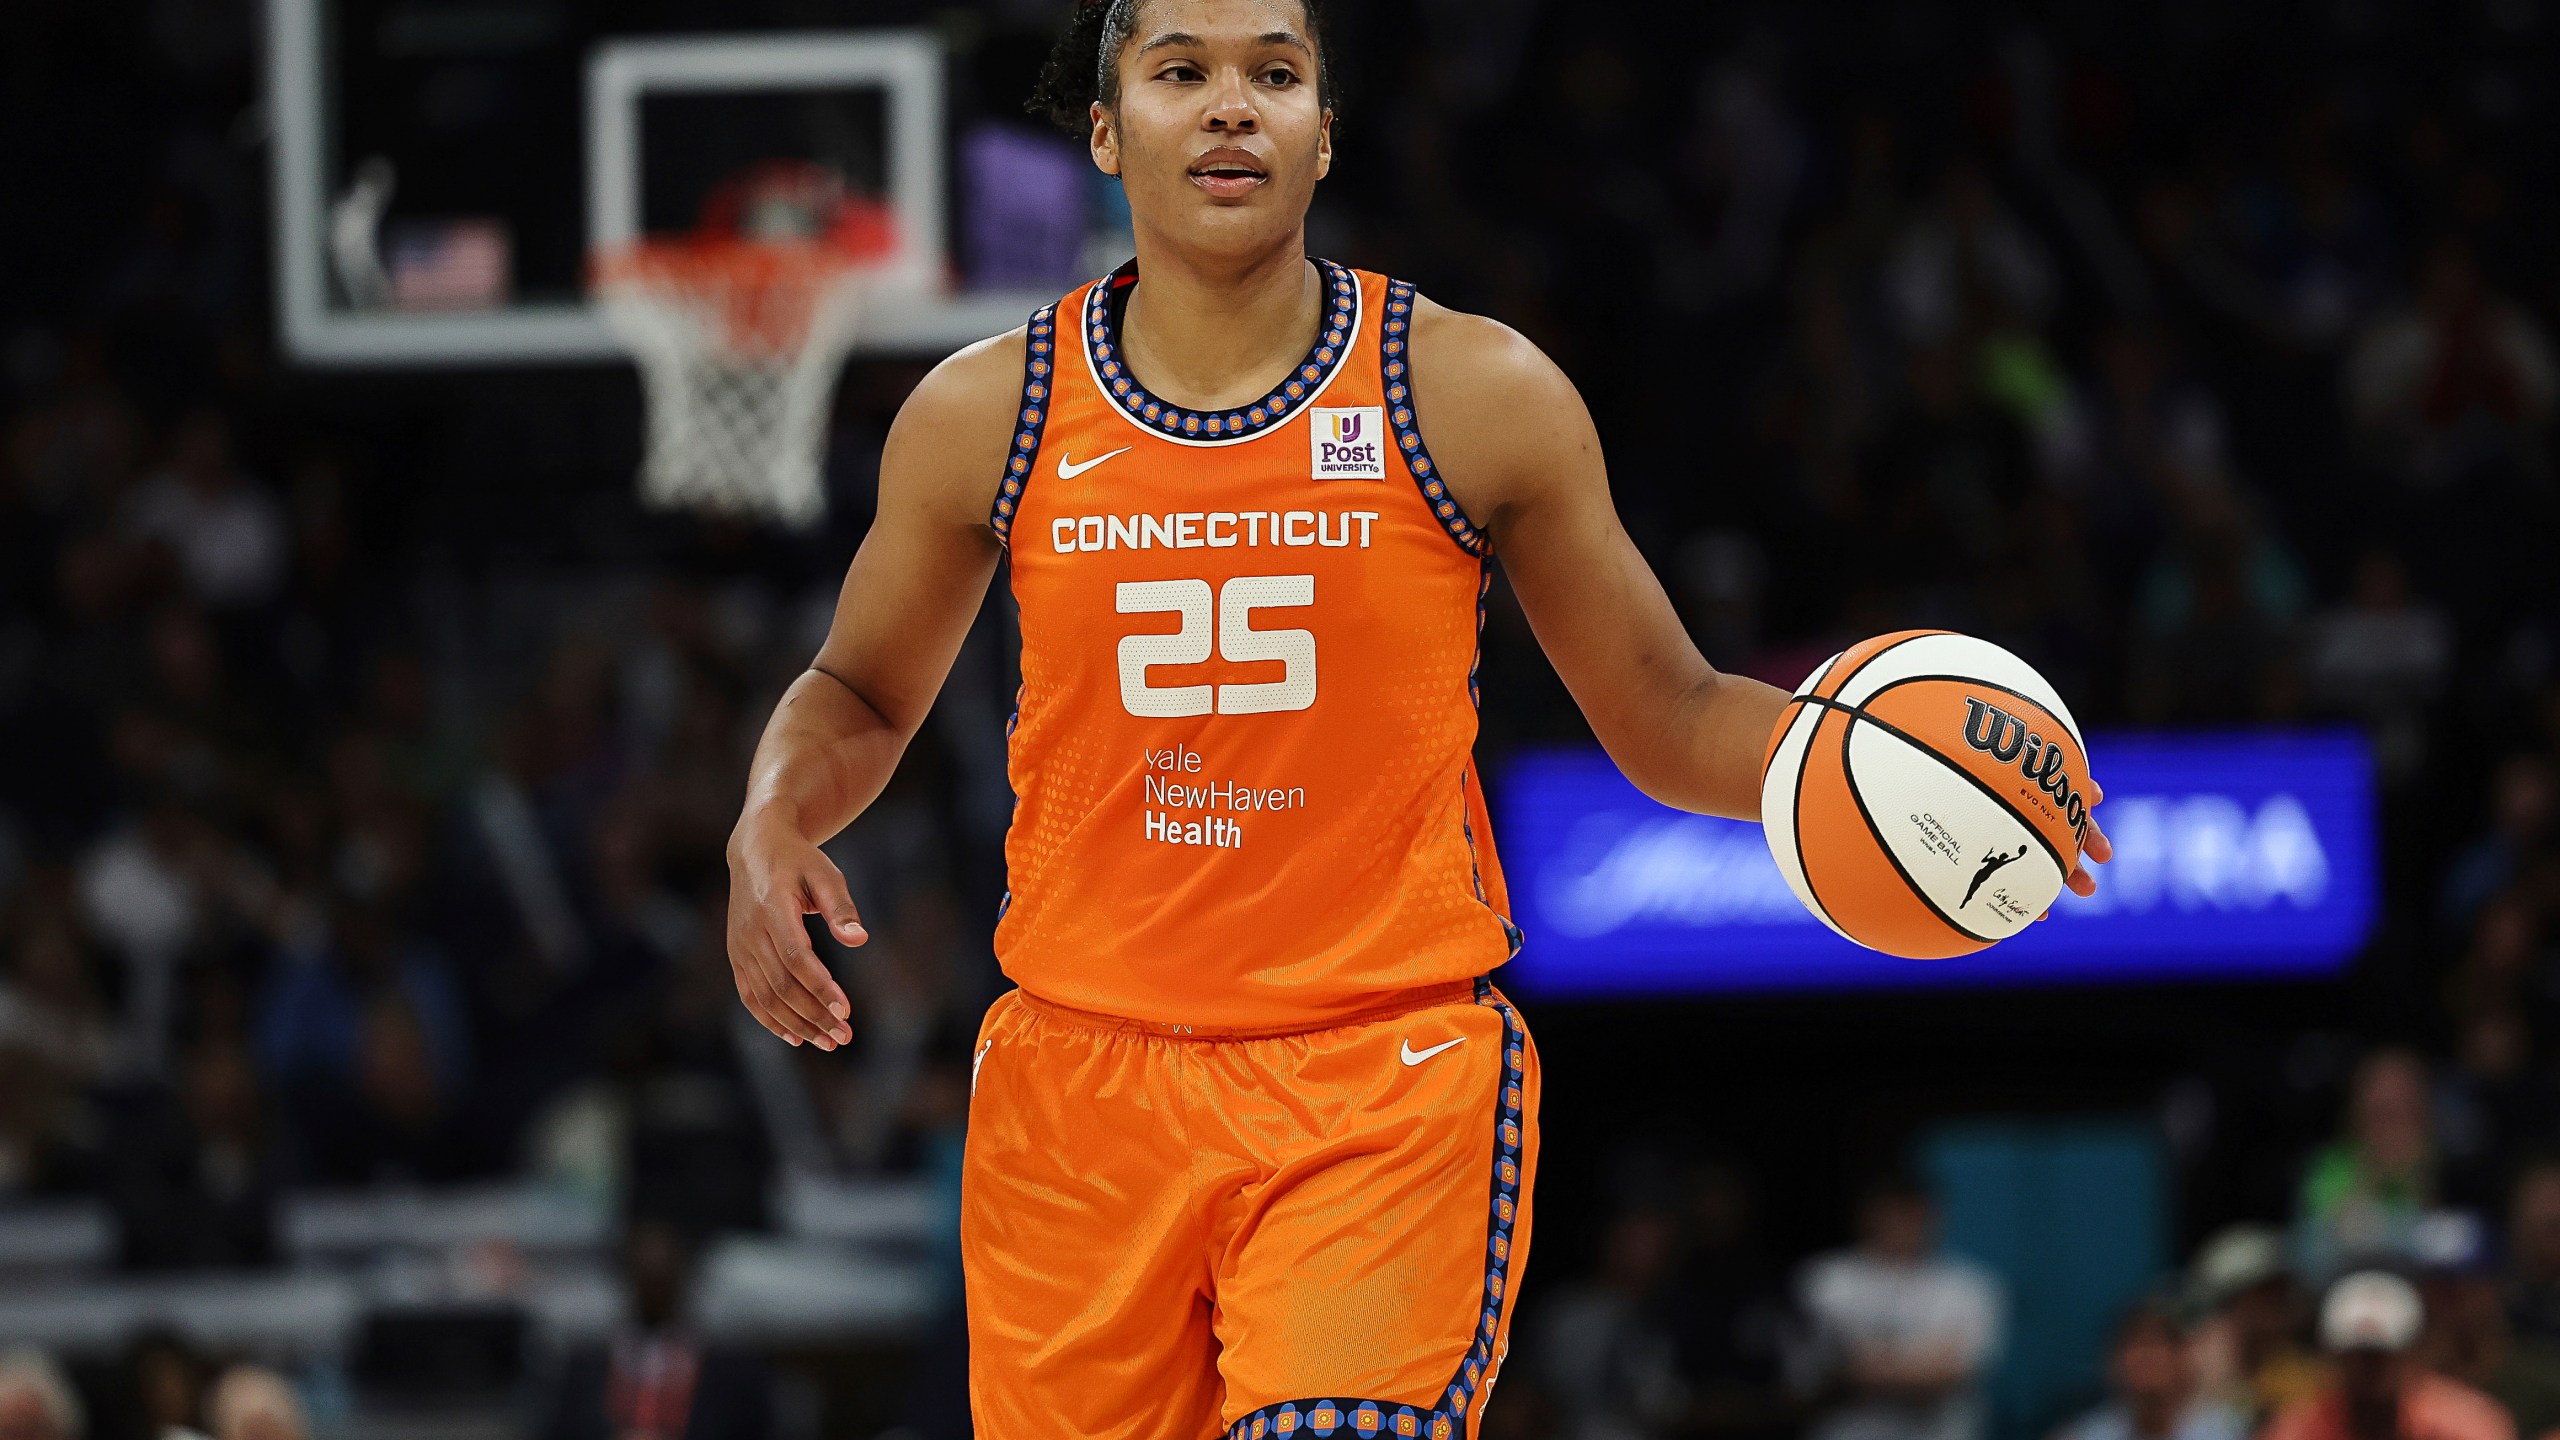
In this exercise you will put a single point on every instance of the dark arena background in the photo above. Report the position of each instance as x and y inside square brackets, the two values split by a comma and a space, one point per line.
[369, 1063]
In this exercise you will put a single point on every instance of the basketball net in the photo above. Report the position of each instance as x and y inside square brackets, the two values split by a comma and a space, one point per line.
[740, 330]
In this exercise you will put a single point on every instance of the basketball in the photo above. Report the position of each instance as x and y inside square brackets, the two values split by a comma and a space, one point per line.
[1925, 794]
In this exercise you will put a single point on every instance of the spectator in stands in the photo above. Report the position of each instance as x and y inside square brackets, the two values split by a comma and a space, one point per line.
[225, 531]
[1901, 1334]
[2216, 612]
[2489, 1097]
[2524, 797]
[657, 1380]
[1963, 259]
[2461, 378]
[142, 891]
[191, 1177]
[2159, 433]
[28, 1102]
[2533, 1250]
[57, 1043]
[2502, 968]
[2370, 1323]
[164, 1381]
[79, 445]
[36, 1402]
[2153, 1379]
[1945, 476]
[49, 1005]
[2321, 245]
[2362, 1196]
[1607, 1355]
[367, 1042]
[2381, 658]
[253, 1403]
[2249, 1356]
[1730, 1315]
[2468, 1339]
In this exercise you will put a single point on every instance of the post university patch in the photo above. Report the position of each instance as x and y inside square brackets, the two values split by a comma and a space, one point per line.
[1348, 444]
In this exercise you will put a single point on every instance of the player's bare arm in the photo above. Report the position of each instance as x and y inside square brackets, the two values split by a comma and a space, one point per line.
[1518, 447]
[908, 600]
[1519, 450]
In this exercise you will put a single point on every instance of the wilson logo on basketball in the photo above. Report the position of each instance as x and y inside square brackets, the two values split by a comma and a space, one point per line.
[2004, 737]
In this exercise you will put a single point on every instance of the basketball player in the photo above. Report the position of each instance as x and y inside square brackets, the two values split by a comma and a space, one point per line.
[1250, 1146]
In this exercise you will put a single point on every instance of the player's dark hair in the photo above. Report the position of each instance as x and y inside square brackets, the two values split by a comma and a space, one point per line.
[1084, 66]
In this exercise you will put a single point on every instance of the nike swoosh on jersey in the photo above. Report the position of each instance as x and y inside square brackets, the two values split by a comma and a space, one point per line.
[1067, 470]
[1416, 1057]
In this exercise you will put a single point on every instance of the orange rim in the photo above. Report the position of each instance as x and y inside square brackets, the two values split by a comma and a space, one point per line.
[760, 294]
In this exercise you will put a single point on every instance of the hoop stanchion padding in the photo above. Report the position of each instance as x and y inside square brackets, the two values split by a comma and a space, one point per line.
[739, 343]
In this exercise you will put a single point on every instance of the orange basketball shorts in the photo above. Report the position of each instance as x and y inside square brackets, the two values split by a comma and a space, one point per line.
[1305, 1236]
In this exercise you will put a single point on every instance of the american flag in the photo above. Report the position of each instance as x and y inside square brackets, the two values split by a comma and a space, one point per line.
[450, 264]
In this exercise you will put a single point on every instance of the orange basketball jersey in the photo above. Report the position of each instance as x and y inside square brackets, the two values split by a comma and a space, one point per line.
[1242, 753]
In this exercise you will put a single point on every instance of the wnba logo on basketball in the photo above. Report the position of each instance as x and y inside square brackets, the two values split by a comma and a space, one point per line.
[1345, 444]
[2004, 737]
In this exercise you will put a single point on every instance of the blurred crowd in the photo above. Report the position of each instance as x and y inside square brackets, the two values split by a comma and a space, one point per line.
[371, 756]
[175, 1395]
[2379, 1311]
[655, 1378]
[303, 891]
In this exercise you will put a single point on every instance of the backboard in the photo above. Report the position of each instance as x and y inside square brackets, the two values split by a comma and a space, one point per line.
[443, 170]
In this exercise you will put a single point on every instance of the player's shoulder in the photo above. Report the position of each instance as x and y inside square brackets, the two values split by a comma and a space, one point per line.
[1479, 382]
[977, 381]
[950, 441]
[1472, 358]
[1501, 418]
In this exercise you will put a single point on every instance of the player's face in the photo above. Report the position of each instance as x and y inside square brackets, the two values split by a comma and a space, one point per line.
[1217, 138]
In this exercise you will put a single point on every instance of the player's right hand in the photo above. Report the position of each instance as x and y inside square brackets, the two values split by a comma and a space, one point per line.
[776, 876]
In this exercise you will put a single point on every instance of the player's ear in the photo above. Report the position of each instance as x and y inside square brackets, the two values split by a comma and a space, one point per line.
[1324, 144]
[1105, 140]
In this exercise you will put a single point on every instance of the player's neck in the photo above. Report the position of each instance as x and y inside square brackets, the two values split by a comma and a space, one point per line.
[1218, 335]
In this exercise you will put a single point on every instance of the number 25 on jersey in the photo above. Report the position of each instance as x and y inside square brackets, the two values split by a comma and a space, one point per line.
[1237, 641]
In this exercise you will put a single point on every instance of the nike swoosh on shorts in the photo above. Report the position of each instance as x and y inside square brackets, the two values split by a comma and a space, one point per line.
[1416, 1057]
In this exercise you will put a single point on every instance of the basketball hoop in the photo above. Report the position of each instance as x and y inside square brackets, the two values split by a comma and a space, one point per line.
[739, 331]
